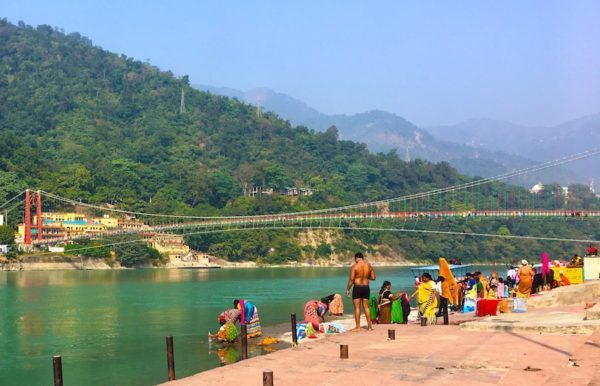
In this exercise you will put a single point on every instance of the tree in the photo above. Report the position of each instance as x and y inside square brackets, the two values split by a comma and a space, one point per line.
[7, 235]
[10, 186]
[276, 177]
[134, 254]
[224, 188]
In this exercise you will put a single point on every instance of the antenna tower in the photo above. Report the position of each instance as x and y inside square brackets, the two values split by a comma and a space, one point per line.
[182, 103]
[258, 112]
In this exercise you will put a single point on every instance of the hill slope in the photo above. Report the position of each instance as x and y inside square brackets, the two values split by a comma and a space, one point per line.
[88, 124]
[383, 131]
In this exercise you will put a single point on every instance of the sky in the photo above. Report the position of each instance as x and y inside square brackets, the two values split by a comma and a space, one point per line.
[528, 62]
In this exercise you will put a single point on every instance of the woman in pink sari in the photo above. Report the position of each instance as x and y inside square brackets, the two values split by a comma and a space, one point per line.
[546, 271]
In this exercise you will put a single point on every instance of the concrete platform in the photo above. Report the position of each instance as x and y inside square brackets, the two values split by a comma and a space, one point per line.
[422, 355]
[565, 296]
[547, 344]
[562, 320]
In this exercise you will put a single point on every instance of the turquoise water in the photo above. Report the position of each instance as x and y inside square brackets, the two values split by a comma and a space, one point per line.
[110, 326]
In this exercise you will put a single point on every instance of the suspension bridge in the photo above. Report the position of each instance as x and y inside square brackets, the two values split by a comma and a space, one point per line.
[61, 220]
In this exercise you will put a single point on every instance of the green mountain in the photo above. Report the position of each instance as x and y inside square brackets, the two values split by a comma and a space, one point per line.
[384, 131]
[84, 123]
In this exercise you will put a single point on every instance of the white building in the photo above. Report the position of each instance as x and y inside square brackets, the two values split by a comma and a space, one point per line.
[537, 188]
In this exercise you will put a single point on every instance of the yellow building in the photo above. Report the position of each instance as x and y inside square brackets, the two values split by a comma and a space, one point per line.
[109, 222]
[67, 224]
[173, 246]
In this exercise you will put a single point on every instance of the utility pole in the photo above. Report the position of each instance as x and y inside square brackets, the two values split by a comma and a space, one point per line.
[258, 112]
[182, 102]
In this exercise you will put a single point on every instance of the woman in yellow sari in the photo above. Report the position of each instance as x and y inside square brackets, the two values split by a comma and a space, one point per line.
[427, 298]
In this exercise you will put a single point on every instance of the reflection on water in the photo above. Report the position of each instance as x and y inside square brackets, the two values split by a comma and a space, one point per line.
[229, 353]
[31, 279]
[110, 326]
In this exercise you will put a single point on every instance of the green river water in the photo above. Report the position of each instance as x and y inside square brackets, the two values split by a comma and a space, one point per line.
[110, 326]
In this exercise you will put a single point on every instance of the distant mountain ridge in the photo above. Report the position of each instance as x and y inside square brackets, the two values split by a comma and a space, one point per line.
[542, 143]
[383, 131]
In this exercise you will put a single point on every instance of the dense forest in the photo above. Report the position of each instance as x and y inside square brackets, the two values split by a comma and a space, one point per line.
[87, 124]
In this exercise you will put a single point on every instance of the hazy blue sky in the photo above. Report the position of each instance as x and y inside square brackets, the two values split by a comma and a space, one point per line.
[530, 62]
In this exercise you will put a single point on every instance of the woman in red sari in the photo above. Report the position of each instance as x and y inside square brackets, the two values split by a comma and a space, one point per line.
[314, 313]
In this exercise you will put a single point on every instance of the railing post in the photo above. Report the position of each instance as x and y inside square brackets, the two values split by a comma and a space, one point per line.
[392, 334]
[268, 377]
[294, 330]
[244, 339]
[423, 321]
[446, 321]
[58, 375]
[343, 351]
[170, 358]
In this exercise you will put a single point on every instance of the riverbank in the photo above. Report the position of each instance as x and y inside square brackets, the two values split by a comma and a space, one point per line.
[57, 262]
[440, 354]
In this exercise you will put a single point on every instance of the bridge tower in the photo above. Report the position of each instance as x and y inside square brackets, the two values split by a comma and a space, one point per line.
[38, 214]
[27, 239]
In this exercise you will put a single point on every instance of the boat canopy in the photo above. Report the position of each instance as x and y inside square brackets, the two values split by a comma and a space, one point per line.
[433, 270]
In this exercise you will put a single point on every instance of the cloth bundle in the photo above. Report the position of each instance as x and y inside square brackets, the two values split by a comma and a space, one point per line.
[335, 328]
[520, 305]
[300, 331]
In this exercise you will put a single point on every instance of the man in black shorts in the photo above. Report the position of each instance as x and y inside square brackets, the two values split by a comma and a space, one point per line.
[360, 274]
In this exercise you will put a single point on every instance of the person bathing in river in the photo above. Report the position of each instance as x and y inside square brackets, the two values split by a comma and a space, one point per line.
[360, 274]
[314, 312]
[231, 315]
[249, 317]
[227, 333]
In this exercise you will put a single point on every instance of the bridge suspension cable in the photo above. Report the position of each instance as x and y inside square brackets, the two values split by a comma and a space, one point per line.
[12, 199]
[453, 188]
[399, 230]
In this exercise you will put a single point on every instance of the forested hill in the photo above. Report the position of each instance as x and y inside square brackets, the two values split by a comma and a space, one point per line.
[82, 122]
[88, 124]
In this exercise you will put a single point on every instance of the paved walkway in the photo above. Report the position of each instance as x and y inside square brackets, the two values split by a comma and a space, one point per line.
[422, 355]
[483, 352]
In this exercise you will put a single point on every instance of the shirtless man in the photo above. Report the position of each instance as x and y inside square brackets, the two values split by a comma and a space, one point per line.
[360, 274]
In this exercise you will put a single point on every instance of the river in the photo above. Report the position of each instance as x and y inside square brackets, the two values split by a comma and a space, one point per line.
[110, 326]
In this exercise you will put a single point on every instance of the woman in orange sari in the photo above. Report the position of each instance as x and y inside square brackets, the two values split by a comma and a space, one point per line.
[336, 307]
[525, 280]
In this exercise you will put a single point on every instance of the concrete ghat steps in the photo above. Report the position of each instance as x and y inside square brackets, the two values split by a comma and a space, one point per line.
[565, 323]
[593, 313]
[567, 316]
[564, 296]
